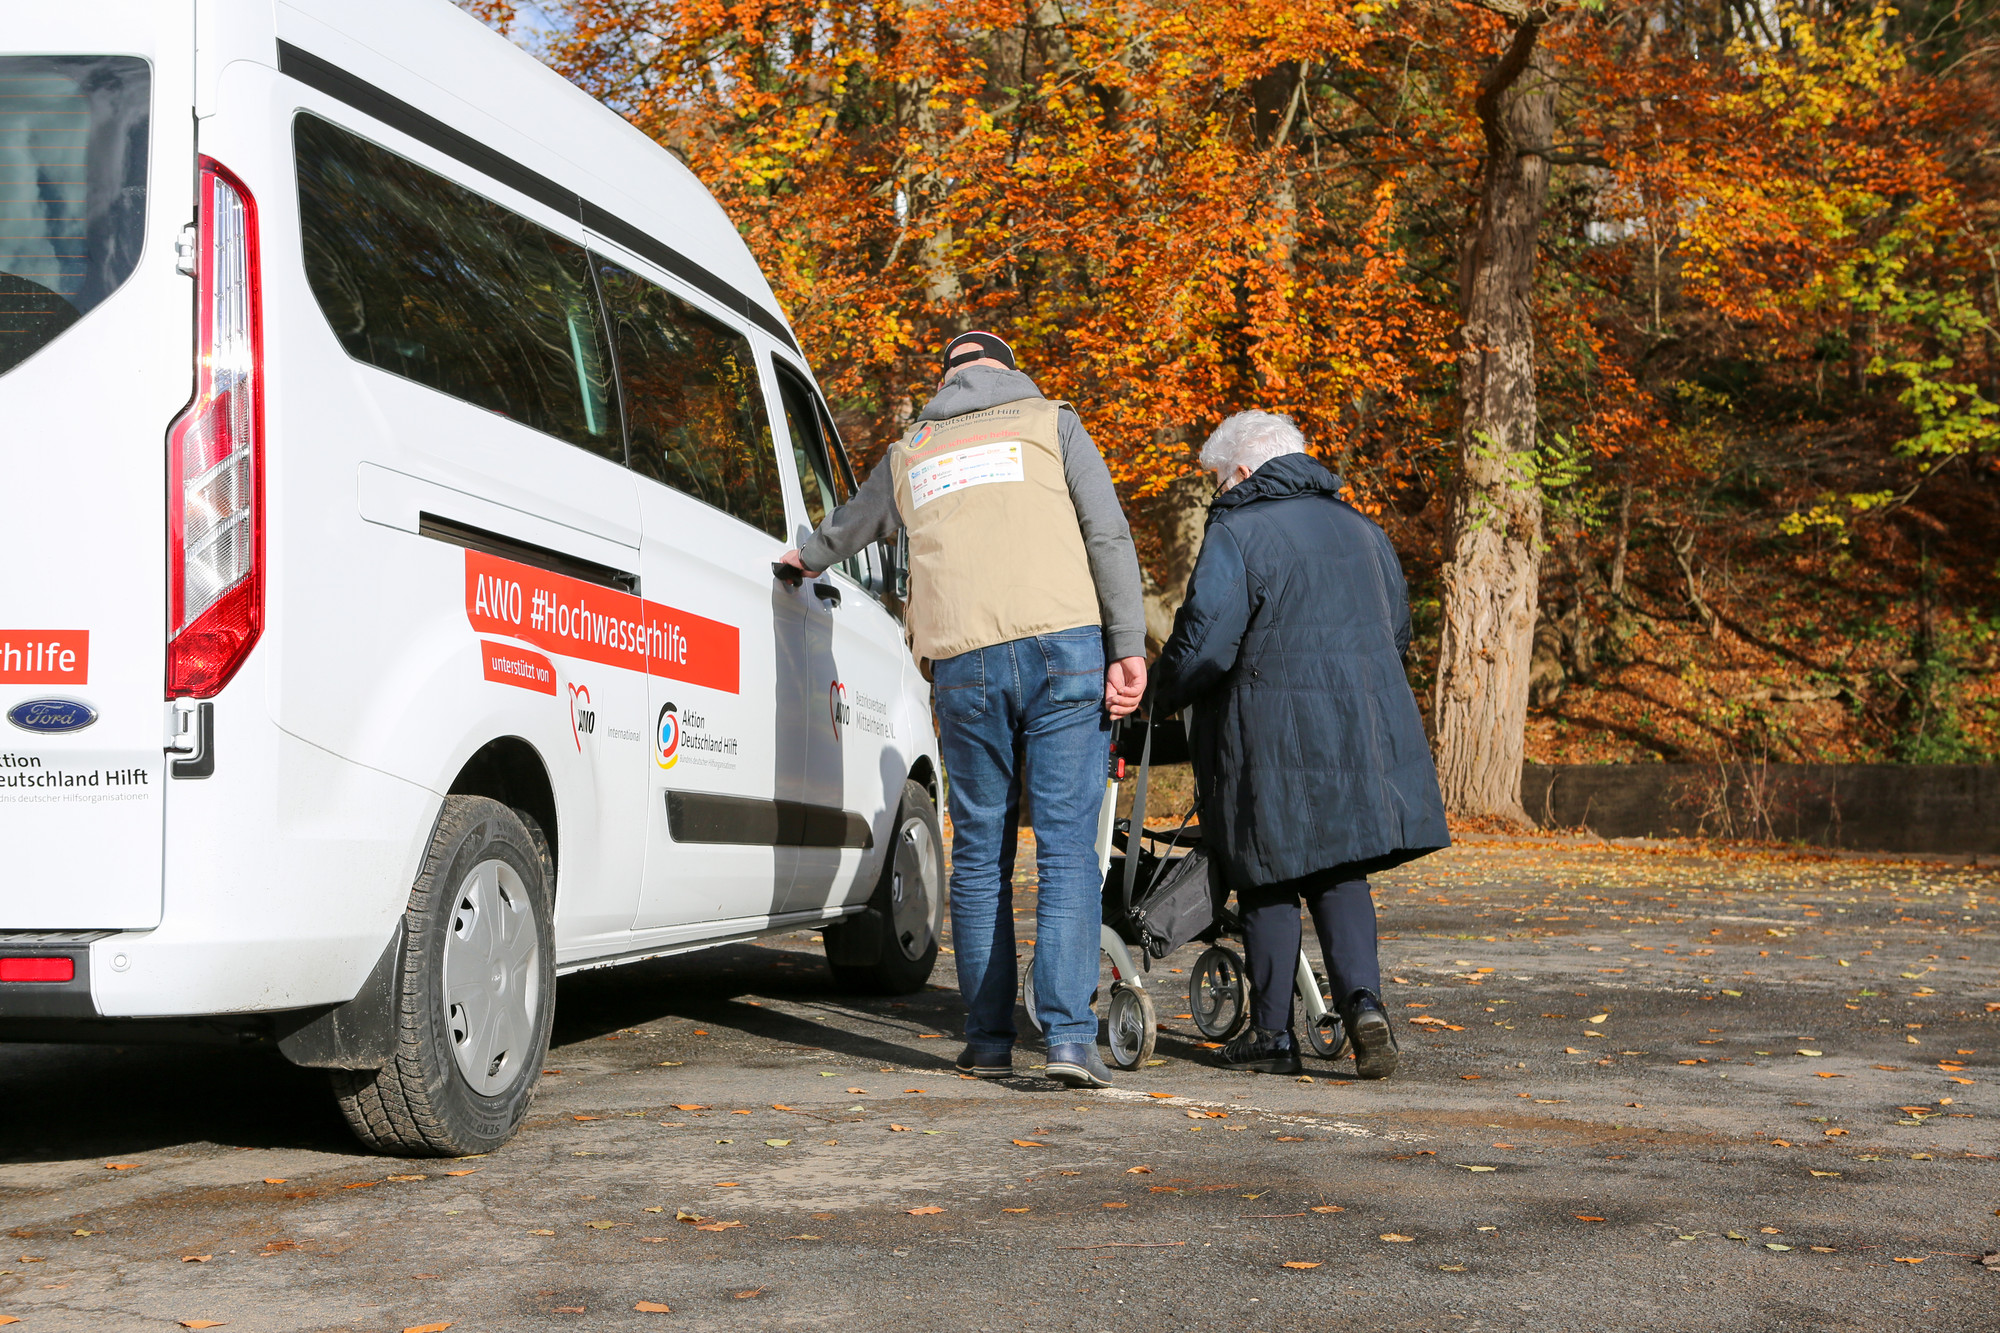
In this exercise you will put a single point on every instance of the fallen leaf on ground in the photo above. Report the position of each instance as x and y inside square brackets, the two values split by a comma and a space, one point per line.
[1600, 1018]
[750, 1295]
[777, 1143]
[1571, 1050]
[586, 1117]
[1013, 1210]
[212, 1323]
[1582, 1217]
[424, 1328]
[1117, 1205]
[1475, 1168]
[1161, 1094]
[858, 1091]
[899, 1129]
[1295, 1263]
[1834, 1174]
[653, 1307]
[1829, 1075]
[409, 1177]
[719, 1226]
[1328, 1208]
[196, 1258]
[689, 1106]
[464, 1172]
[1138, 1170]
[1770, 1245]
[1027, 1143]
[1290, 1138]
[924, 1211]
[683, 1215]
[1394, 1238]
[275, 1180]
[543, 1232]
[1909, 1261]
[121, 1166]
[728, 1185]
[1471, 1075]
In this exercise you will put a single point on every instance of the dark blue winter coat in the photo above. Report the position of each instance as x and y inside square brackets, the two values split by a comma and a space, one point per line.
[1307, 746]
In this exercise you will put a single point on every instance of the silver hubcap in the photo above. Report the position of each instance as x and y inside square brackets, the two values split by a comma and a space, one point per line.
[492, 976]
[914, 900]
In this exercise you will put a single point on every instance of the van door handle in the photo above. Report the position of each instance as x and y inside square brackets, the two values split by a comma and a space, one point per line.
[827, 592]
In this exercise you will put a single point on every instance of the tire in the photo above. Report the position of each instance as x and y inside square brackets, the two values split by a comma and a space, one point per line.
[474, 993]
[1130, 1025]
[891, 948]
[1218, 993]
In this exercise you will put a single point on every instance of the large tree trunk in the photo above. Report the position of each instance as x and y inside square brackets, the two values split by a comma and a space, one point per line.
[1491, 576]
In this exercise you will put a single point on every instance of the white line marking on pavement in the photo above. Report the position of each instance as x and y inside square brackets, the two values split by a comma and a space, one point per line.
[1282, 1117]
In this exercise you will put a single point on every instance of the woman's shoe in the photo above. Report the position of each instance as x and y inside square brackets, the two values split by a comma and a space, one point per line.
[1262, 1051]
[1375, 1054]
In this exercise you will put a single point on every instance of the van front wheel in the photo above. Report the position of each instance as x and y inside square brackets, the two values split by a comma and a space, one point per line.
[890, 948]
[475, 994]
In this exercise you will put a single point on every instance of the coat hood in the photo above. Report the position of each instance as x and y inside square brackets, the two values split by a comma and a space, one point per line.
[975, 389]
[1281, 478]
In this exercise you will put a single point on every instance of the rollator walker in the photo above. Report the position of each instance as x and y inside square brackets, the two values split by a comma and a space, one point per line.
[1166, 897]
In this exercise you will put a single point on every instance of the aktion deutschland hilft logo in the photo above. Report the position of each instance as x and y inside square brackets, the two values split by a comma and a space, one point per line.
[667, 737]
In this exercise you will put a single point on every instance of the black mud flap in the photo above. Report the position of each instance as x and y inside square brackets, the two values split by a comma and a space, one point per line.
[855, 941]
[360, 1034]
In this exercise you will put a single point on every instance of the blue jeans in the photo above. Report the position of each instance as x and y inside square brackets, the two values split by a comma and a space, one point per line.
[1029, 711]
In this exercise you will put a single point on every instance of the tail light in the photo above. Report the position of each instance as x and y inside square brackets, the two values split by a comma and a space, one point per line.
[215, 463]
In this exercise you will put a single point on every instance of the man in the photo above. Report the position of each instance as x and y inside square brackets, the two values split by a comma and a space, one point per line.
[1310, 759]
[1023, 586]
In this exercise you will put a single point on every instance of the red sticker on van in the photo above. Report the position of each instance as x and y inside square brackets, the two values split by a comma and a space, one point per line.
[44, 657]
[518, 666]
[599, 624]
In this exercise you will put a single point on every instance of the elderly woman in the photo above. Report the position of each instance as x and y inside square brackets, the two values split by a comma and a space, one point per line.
[1310, 759]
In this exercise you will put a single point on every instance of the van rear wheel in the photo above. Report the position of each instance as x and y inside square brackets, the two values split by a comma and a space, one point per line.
[475, 993]
[890, 948]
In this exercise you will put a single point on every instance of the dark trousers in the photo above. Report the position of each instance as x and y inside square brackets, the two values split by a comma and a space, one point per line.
[1343, 912]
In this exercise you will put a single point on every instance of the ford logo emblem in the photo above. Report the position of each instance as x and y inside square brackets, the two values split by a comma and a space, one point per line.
[52, 715]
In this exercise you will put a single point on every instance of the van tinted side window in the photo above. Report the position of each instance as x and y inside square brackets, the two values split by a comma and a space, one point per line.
[694, 410]
[425, 279]
[73, 139]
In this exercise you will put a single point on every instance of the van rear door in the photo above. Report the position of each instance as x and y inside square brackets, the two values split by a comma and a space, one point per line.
[97, 178]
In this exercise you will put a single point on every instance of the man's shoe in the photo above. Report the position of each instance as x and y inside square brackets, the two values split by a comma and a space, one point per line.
[1368, 1029]
[981, 1063]
[1075, 1064]
[1262, 1051]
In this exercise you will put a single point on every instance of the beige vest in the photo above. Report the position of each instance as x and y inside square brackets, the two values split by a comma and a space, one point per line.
[995, 550]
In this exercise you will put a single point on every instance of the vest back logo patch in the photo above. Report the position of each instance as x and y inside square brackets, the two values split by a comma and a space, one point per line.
[961, 469]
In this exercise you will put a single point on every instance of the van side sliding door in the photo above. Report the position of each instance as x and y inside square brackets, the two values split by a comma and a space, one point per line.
[725, 639]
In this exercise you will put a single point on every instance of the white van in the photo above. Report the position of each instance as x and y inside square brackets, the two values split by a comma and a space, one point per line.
[397, 445]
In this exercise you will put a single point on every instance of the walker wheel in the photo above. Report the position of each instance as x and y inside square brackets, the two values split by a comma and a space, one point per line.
[1217, 993]
[1028, 994]
[1130, 1025]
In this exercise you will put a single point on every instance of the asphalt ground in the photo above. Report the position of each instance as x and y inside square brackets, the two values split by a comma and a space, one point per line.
[1667, 1090]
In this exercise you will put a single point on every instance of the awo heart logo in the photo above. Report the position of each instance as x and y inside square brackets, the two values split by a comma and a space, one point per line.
[836, 707]
[582, 721]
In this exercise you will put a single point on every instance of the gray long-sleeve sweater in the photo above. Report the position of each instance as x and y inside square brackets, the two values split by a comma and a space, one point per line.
[1107, 539]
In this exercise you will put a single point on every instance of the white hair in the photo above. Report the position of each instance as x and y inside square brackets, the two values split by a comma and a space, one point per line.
[1251, 439]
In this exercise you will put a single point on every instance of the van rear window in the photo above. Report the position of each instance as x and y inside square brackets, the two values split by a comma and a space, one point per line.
[73, 137]
[425, 279]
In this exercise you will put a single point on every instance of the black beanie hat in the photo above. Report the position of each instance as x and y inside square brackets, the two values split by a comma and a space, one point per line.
[973, 345]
